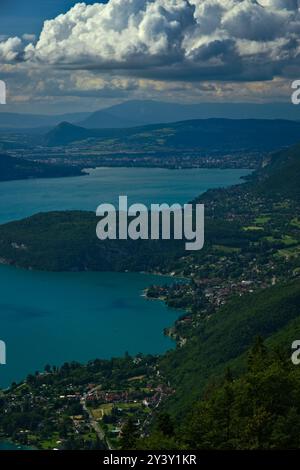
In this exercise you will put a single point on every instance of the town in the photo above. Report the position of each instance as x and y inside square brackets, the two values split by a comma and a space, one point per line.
[89, 406]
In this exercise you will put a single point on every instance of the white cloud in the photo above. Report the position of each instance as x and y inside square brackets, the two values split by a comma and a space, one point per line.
[10, 49]
[171, 39]
[121, 33]
[248, 20]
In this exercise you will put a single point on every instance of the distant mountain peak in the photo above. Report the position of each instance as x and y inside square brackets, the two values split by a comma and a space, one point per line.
[65, 133]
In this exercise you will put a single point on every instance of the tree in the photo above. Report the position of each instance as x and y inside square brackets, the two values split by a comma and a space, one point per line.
[129, 435]
[258, 355]
[165, 424]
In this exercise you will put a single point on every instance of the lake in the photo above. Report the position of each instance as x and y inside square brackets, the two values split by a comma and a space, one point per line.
[20, 199]
[57, 317]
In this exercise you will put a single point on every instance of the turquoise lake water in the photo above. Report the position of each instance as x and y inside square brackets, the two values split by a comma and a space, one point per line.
[58, 317]
[19, 199]
[6, 445]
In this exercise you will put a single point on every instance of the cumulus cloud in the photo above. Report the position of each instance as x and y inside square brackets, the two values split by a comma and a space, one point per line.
[171, 39]
[10, 49]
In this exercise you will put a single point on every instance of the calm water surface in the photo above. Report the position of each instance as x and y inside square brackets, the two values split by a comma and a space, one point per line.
[20, 199]
[57, 317]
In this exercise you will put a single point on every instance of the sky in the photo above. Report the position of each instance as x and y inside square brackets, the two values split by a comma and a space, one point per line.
[27, 16]
[61, 56]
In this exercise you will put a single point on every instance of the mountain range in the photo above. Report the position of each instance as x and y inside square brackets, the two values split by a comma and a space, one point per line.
[30, 121]
[199, 134]
[142, 112]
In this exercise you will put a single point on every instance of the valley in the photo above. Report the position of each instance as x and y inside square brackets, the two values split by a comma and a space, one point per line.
[206, 143]
[243, 285]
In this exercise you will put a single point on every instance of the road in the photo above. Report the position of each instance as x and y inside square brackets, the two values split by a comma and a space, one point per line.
[94, 424]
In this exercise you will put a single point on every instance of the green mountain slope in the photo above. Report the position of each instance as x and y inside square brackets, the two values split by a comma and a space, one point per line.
[222, 339]
[281, 177]
[258, 410]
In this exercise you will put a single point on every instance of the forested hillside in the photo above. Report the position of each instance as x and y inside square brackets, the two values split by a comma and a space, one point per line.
[259, 409]
[12, 168]
[220, 341]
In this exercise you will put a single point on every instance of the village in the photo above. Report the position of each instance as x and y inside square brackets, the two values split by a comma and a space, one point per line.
[88, 413]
